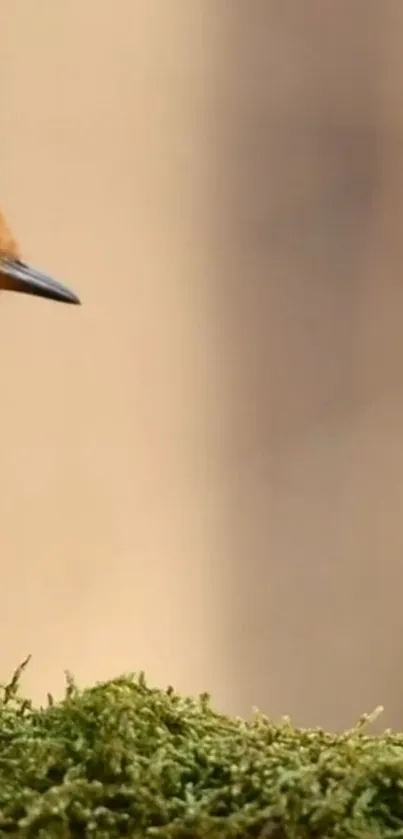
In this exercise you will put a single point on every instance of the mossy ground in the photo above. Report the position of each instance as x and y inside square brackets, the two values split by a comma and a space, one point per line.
[125, 759]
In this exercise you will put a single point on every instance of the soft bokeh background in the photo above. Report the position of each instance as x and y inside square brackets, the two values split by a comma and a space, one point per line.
[202, 468]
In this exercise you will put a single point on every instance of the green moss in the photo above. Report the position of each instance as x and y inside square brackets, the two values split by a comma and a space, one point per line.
[124, 759]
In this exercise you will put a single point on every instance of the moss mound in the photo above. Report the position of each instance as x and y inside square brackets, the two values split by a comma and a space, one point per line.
[124, 759]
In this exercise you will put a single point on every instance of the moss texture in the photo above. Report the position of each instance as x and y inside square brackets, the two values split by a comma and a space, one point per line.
[125, 759]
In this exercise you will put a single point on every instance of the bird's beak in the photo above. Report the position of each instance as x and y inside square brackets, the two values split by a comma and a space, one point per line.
[16, 276]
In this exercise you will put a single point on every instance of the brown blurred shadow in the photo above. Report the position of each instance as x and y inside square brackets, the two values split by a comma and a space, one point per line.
[313, 322]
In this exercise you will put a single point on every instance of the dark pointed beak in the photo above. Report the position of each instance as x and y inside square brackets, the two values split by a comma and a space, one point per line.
[16, 276]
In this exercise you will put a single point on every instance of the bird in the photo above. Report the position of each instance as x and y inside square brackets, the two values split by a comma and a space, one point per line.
[16, 275]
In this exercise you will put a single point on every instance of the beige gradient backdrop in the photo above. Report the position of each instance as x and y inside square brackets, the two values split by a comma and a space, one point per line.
[202, 469]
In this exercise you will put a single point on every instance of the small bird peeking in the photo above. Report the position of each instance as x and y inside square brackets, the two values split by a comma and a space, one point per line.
[16, 275]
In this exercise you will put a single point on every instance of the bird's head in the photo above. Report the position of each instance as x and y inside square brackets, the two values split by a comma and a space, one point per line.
[16, 275]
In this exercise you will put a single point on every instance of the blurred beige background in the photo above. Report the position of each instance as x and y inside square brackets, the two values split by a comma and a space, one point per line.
[202, 468]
